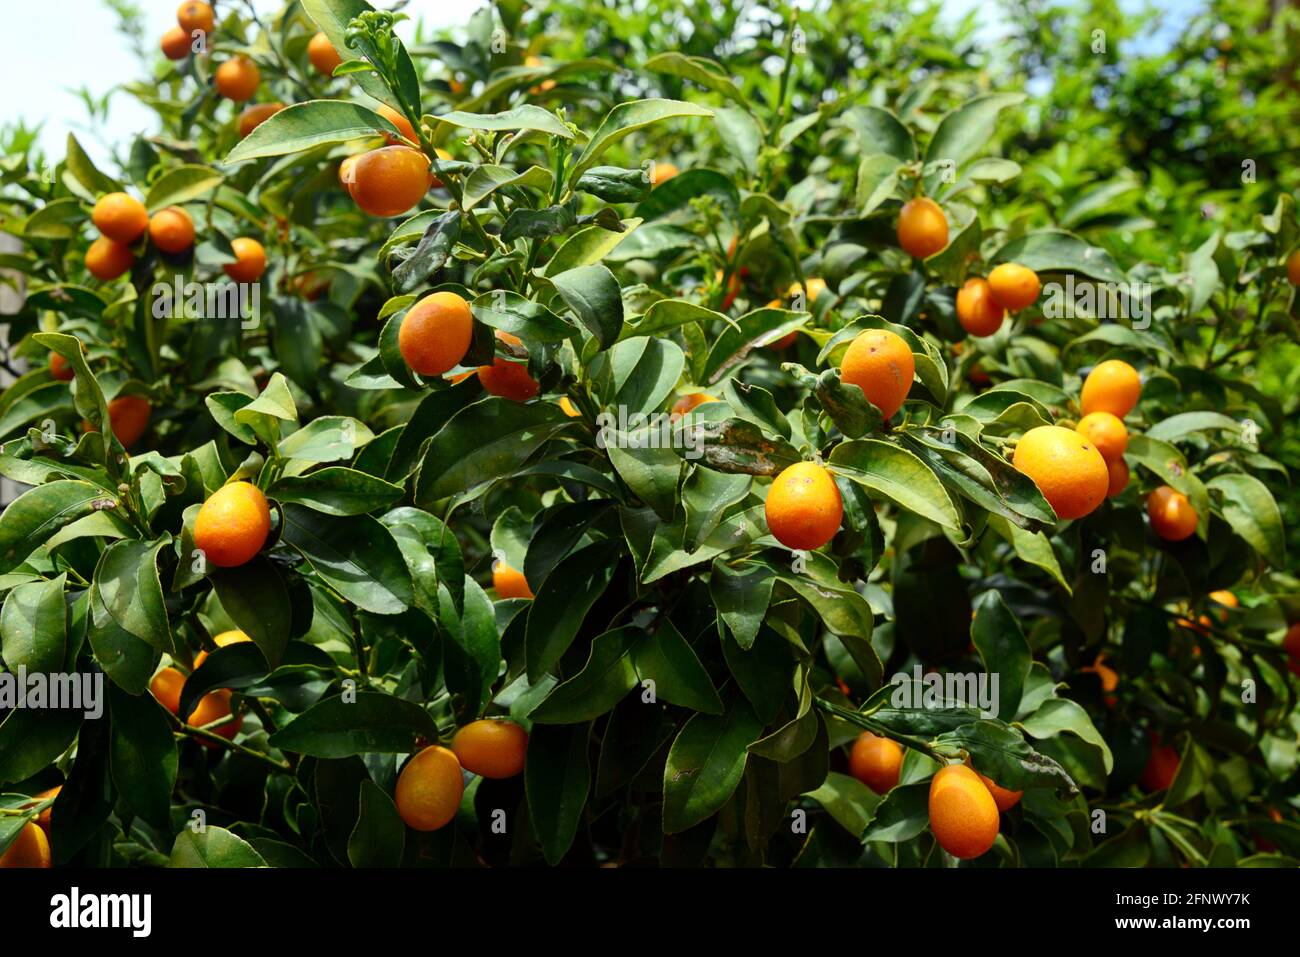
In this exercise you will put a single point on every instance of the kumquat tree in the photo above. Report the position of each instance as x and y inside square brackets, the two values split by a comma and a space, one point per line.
[680, 434]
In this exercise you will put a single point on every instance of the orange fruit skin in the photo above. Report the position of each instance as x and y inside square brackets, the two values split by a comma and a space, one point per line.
[1161, 767]
[232, 637]
[214, 706]
[1117, 476]
[1069, 471]
[60, 369]
[429, 789]
[880, 363]
[804, 508]
[250, 260]
[324, 58]
[1014, 286]
[1113, 386]
[1293, 268]
[1066, 467]
[688, 403]
[166, 687]
[348, 170]
[876, 761]
[509, 583]
[815, 288]
[403, 125]
[963, 815]
[128, 416]
[663, 172]
[106, 259]
[509, 380]
[1004, 798]
[120, 217]
[1172, 516]
[255, 115]
[171, 230]
[43, 819]
[232, 525]
[569, 408]
[435, 333]
[1106, 432]
[390, 180]
[194, 15]
[491, 748]
[922, 228]
[1291, 641]
[977, 311]
[175, 44]
[238, 79]
[30, 849]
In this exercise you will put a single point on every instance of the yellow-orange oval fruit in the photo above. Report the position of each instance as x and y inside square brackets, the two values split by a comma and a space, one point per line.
[1293, 268]
[1014, 286]
[175, 44]
[255, 115]
[804, 507]
[238, 78]
[233, 524]
[1172, 515]
[404, 126]
[689, 403]
[663, 172]
[171, 230]
[194, 15]
[128, 417]
[250, 260]
[166, 686]
[922, 228]
[1106, 432]
[880, 363]
[435, 333]
[106, 259]
[1004, 798]
[1117, 473]
[214, 706]
[60, 369]
[429, 789]
[491, 748]
[1113, 386]
[876, 761]
[390, 180]
[30, 849]
[569, 408]
[963, 814]
[509, 582]
[324, 58]
[1066, 467]
[508, 379]
[120, 217]
[977, 311]
[43, 819]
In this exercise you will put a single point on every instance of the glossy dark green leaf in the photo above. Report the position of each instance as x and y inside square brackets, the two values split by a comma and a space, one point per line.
[355, 554]
[38, 513]
[380, 836]
[212, 847]
[255, 597]
[562, 603]
[705, 763]
[34, 627]
[373, 722]
[1002, 646]
[604, 680]
[557, 777]
[142, 755]
[336, 490]
[678, 675]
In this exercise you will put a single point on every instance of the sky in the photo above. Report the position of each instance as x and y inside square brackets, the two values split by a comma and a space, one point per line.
[42, 77]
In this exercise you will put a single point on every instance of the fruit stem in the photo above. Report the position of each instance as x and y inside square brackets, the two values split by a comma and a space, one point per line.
[863, 721]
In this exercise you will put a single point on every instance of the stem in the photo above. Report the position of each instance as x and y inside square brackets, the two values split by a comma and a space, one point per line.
[207, 735]
[863, 721]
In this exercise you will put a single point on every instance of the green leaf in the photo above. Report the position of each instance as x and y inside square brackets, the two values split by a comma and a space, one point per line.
[742, 595]
[706, 762]
[588, 245]
[848, 801]
[614, 184]
[127, 579]
[85, 172]
[707, 73]
[1183, 424]
[373, 722]
[1055, 250]
[562, 603]
[127, 660]
[142, 755]
[302, 126]
[1002, 647]
[255, 597]
[38, 513]
[1058, 715]
[331, 438]
[557, 777]
[34, 628]
[336, 490]
[212, 847]
[525, 117]
[1249, 508]
[430, 255]
[879, 131]
[379, 836]
[355, 554]
[594, 295]
[965, 131]
[671, 663]
[486, 180]
[180, 185]
[627, 118]
[604, 680]
[898, 475]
